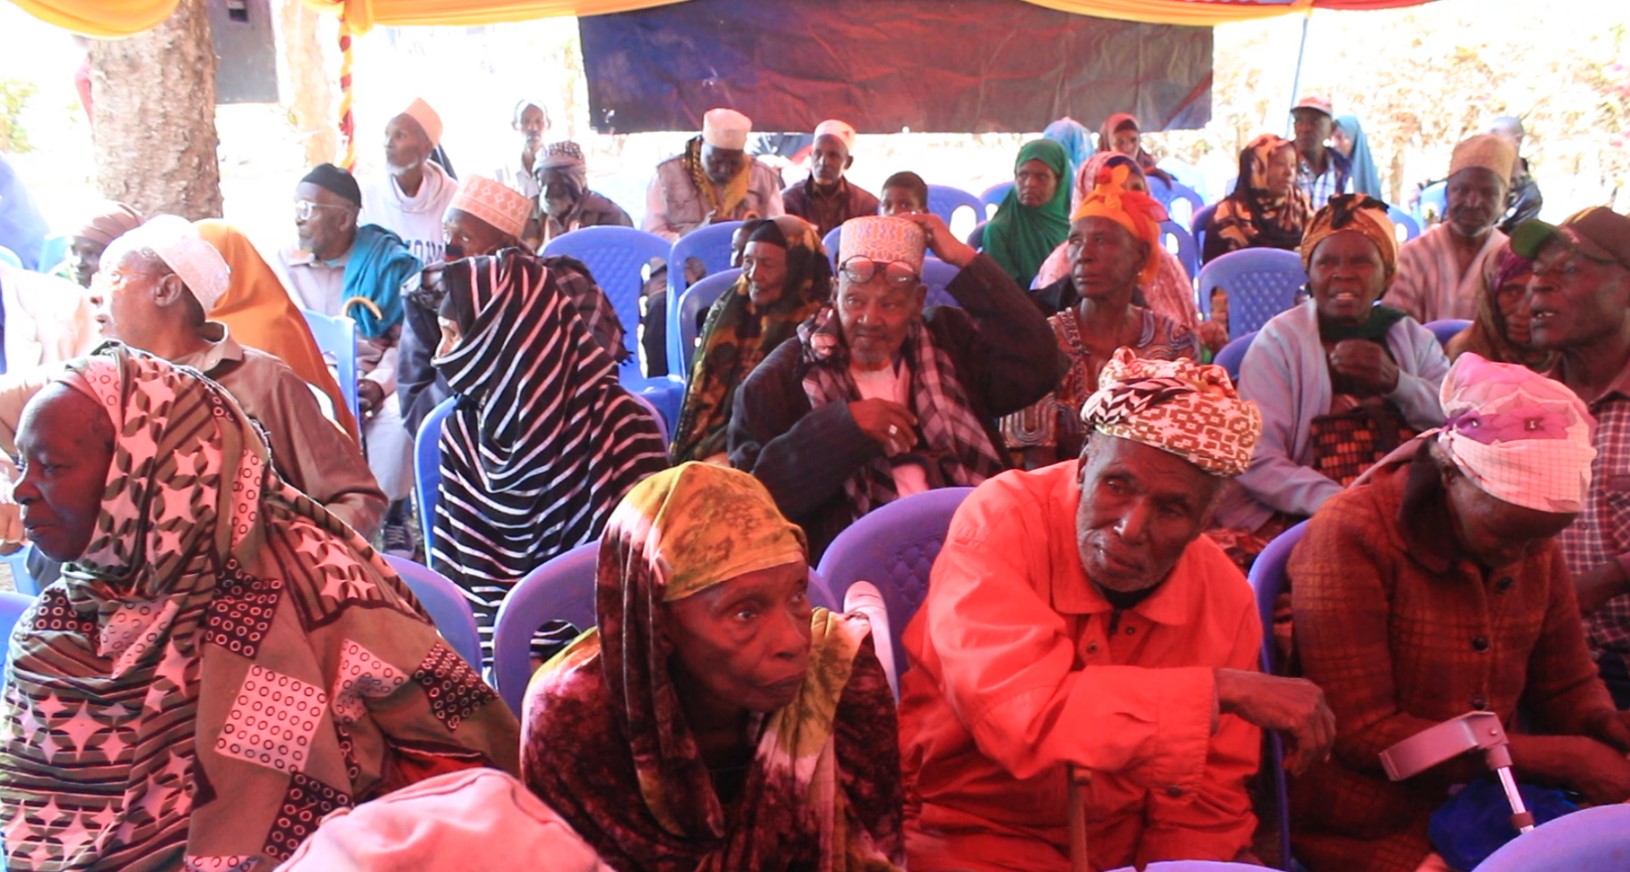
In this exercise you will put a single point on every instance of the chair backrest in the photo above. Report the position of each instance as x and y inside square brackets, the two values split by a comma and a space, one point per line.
[1261, 283]
[683, 313]
[710, 245]
[445, 603]
[992, 198]
[830, 242]
[1200, 225]
[936, 275]
[616, 258]
[894, 548]
[427, 468]
[12, 606]
[1591, 840]
[1230, 356]
[336, 336]
[976, 236]
[945, 201]
[1180, 200]
[1404, 225]
[1268, 580]
[23, 580]
[1446, 329]
[1434, 201]
[1181, 243]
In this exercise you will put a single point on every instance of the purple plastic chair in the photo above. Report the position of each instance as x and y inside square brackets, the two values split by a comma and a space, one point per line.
[1268, 580]
[1200, 225]
[1446, 329]
[992, 198]
[1180, 242]
[1261, 283]
[12, 607]
[936, 275]
[445, 603]
[1405, 222]
[894, 548]
[945, 200]
[427, 468]
[1592, 840]
[1181, 202]
[684, 312]
[1230, 356]
[830, 242]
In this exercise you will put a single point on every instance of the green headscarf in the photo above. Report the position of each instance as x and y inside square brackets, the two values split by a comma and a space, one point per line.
[1020, 238]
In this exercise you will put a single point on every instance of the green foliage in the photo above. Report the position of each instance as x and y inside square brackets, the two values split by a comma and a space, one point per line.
[14, 95]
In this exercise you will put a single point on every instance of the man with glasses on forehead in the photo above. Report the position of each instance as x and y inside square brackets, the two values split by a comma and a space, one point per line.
[877, 398]
[1580, 300]
[363, 272]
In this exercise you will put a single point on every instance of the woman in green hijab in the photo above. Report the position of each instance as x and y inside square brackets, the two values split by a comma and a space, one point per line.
[1034, 217]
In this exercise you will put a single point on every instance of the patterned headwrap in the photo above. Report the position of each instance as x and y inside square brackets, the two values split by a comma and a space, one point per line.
[1179, 406]
[1138, 212]
[1356, 212]
[1520, 436]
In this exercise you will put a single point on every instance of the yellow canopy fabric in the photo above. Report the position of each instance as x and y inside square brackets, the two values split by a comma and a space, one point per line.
[105, 19]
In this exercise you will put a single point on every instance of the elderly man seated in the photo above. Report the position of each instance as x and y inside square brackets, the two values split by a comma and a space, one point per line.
[565, 202]
[1078, 626]
[827, 199]
[1436, 586]
[713, 180]
[876, 398]
[1440, 271]
[410, 199]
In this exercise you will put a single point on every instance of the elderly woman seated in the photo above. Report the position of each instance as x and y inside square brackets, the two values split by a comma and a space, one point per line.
[1341, 381]
[1435, 586]
[714, 720]
[1266, 208]
[1034, 216]
[1114, 246]
[223, 662]
[785, 279]
[1500, 331]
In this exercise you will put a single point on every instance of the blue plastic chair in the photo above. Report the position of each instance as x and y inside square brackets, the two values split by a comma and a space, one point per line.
[992, 199]
[616, 258]
[1261, 283]
[1446, 329]
[831, 242]
[710, 245]
[894, 548]
[21, 578]
[444, 601]
[1200, 225]
[976, 237]
[945, 200]
[427, 468]
[662, 419]
[1433, 203]
[1591, 840]
[12, 607]
[1180, 242]
[1268, 581]
[1403, 224]
[936, 275]
[1230, 356]
[560, 590]
[336, 337]
[683, 312]
[1181, 202]
[10, 258]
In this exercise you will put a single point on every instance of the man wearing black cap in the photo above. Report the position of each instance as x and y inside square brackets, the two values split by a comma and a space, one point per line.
[1580, 298]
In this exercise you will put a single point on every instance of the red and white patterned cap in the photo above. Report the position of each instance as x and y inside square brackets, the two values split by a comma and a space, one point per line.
[495, 203]
[883, 238]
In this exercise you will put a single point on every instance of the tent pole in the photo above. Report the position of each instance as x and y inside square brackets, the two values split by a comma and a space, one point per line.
[1296, 80]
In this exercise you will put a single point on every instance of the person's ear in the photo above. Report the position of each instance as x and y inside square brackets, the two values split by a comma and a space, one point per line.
[849, 161]
[169, 290]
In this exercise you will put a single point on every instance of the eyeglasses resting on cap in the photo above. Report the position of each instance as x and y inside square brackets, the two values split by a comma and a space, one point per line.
[861, 269]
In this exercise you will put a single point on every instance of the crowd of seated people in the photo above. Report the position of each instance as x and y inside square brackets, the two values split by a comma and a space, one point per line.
[222, 662]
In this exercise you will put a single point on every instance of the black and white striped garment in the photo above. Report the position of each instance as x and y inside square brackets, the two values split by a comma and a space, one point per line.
[543, 443]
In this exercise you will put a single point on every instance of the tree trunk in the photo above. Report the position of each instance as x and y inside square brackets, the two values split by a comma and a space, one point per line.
[305, 39]
[154, 117]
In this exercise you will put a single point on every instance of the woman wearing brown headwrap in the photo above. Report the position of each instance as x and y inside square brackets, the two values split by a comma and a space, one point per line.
[1266, 208]
[1500, 331]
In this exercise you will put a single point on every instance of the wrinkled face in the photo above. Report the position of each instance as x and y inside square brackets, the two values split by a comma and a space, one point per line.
[1574, 300]
[534, 124]
[828, 159]
[1035, 182]
[1140, 507]
[900, 200]
[1476, 198]
[472, 235]
[85, 258]
[1511, 299]
[876, 315]
[1347, 276]
[722, 164]
[121, 298]
[1282, 172]
[406, 145]
[765, 264]
[1104, 257]
[65, 443]
[328, 225]
[1126, 142]
[557, 194]
[1340, 141]
[1312, 129]
[744, 643]
[1493, 532]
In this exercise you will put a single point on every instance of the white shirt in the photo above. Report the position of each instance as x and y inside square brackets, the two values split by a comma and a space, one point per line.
[417, 219]
[893, 384]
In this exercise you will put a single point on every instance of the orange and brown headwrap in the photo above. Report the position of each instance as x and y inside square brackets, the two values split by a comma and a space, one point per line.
[1359, 213]
[1135, 210]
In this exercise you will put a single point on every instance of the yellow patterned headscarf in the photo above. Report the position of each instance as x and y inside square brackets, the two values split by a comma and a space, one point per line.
[1178, 406]
[1138, 212]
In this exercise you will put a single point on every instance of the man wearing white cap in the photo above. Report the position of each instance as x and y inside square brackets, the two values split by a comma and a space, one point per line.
[1441, 271]
[826, 199]
[412, 198]
[877, 398]
[713, 180]
[155, 291]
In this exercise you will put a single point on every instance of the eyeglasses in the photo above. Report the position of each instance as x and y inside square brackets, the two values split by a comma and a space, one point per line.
[304, 209]
[860, 270]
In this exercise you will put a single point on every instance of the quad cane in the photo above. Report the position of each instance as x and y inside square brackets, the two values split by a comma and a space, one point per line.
[1472, 731]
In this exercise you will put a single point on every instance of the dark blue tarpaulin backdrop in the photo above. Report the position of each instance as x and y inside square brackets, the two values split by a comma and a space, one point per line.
[955, 66]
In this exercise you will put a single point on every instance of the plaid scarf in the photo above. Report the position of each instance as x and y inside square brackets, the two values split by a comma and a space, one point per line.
[953, 448]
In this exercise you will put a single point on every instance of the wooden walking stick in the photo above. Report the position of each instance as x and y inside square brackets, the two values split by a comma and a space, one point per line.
[1079, 781]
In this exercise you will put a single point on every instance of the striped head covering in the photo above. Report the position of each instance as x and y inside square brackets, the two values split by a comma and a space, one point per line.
[1359, 213]
[1135, 210]
[1179, 406]
[1521, 437]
